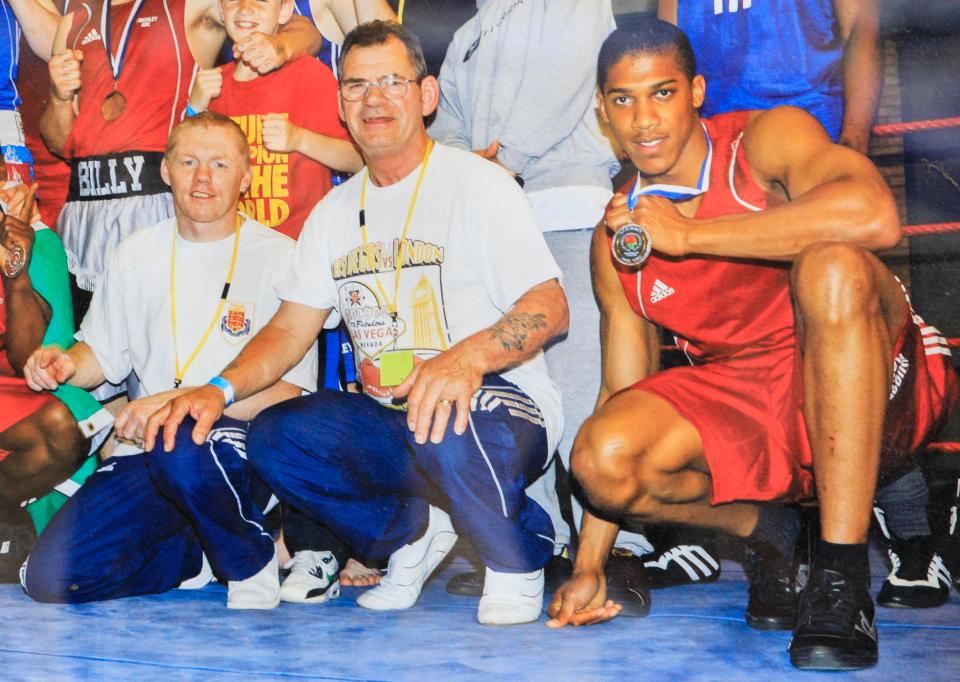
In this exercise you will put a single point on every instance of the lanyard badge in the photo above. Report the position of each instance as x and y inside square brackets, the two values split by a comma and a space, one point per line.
[395, 364]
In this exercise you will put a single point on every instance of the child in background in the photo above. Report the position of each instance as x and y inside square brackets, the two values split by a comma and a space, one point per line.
[290, 118]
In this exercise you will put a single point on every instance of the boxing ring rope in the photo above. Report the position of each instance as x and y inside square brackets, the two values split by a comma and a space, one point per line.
[930, 228]
[946, 448]
[888, 129]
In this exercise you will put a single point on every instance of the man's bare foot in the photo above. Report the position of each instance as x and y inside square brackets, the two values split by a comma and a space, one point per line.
[283, 554]
[355, 574]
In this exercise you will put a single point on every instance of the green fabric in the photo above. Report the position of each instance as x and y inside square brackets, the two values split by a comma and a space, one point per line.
[80, 403]
[48, 274]
[42, 510]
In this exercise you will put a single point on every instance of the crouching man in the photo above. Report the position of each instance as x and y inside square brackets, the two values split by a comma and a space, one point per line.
[434, 259]
[179, 300]
[809, 370]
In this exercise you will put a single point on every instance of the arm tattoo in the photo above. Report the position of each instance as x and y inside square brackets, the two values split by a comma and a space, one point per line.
[514, 328]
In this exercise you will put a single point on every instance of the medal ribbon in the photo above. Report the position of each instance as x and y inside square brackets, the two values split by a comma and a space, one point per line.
[676, 192]
[179, 371]
[392, 305]
[116, 63]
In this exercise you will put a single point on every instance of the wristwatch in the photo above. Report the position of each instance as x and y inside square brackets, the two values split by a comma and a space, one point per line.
[15, 262]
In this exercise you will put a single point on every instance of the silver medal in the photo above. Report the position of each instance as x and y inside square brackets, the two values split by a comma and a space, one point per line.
[632, 245]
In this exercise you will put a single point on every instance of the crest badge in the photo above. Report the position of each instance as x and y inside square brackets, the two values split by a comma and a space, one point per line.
[236, 322]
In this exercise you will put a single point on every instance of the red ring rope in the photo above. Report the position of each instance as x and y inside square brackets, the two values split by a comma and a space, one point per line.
[888, 129]
[951, 448]
[930, 228]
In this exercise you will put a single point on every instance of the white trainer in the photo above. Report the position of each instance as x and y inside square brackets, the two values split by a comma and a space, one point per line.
[313, 578]
[261, 591]
[510, 598]
[411, 565]
[201, 579]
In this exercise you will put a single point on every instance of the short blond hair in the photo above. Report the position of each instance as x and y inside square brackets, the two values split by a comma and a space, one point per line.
[209, 119]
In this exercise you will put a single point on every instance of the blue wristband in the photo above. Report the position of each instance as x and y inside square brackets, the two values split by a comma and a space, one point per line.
[190, 111]
[228, 393]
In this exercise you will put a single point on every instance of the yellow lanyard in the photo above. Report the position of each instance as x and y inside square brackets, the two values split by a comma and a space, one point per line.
[179, 371]
[392, 305]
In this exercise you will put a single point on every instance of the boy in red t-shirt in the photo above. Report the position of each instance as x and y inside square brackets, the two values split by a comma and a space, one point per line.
[290, 118]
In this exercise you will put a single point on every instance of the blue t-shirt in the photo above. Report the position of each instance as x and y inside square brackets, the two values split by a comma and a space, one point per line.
[758, 54]
[9, 56]
[329, 52]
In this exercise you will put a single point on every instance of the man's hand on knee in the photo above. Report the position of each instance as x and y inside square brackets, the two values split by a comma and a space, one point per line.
[205, 404]
[433, 388]
[582, 601]
[131, 423]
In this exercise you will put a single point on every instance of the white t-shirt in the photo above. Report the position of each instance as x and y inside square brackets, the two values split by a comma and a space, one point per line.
[474, 248]
[129, 327]
[573, 207]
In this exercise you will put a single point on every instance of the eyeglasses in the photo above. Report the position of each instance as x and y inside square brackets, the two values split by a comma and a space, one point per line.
[392, 87]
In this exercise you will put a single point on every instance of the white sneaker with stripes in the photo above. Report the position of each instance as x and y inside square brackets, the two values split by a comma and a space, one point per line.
[681, 565]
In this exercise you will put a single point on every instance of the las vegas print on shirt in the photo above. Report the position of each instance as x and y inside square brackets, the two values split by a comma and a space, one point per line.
[420, 325]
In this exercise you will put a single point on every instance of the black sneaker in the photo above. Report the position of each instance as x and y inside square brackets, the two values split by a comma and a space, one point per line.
[17, 536]
[836, 624]
[626, 584]
[557, 571]
[950, 546]
[681, 565]
[470, 584]
[772, 604]
[918, 580]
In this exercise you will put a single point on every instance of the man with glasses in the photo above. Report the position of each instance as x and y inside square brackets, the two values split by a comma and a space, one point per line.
[434, 260]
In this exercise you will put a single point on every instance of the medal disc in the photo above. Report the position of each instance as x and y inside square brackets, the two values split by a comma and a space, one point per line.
[113, 106]
[632, 245]
[14, 262]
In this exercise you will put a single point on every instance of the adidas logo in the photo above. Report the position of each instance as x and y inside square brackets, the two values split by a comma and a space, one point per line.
[660, 291]
[90, 37]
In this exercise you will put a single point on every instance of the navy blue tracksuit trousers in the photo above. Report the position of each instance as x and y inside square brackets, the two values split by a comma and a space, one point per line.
[353, 465]
[140, 524]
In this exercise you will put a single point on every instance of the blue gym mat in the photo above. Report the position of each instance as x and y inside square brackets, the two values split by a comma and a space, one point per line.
[692, 633]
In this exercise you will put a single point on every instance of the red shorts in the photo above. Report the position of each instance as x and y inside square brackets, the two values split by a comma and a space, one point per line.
[17, 402]
[749, 413]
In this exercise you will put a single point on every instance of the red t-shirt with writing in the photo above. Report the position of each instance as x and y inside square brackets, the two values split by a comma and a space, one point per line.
[285, 187]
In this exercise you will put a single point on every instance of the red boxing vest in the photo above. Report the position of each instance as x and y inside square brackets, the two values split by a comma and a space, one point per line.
[718, 308]
[155, 79]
